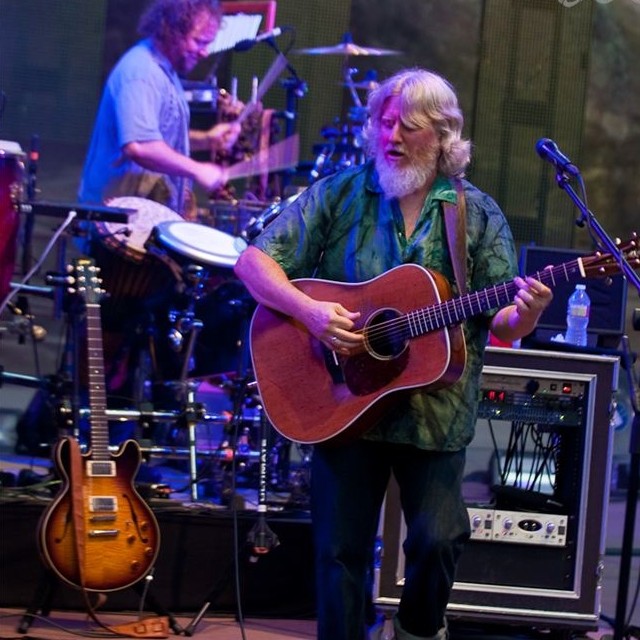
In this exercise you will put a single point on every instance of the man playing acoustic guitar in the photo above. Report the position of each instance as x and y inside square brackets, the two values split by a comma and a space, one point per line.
[361, 224]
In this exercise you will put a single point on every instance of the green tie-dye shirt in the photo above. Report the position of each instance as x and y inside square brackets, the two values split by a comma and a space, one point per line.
[342, 228]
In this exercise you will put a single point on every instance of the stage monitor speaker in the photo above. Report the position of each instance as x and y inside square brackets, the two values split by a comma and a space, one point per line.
[536, 488]
[608, 299]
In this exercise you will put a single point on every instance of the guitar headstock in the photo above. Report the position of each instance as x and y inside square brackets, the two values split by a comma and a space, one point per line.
[87, 281]
[604, 264]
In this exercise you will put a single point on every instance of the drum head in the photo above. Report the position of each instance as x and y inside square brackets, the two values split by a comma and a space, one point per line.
[147, 215]
[204, 245]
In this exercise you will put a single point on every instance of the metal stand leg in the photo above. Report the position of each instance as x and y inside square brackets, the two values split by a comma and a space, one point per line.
[621, 628]
[191, 408]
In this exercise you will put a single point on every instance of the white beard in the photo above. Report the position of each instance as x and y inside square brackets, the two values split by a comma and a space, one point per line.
[396, 182]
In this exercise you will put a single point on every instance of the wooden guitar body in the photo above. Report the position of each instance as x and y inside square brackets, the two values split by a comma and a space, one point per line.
[413, 338]
[98, 534]
[310, 399]
[118, 535]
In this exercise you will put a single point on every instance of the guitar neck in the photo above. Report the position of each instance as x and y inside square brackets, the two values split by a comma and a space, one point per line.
[456, 310]
[97, 394]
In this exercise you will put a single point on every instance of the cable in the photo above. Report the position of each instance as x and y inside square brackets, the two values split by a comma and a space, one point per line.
[36, 267]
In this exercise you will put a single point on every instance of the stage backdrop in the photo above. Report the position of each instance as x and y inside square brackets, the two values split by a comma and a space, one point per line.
[545, 68]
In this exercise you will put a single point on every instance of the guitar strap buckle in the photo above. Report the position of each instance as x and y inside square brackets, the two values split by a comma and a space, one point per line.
[156, 627]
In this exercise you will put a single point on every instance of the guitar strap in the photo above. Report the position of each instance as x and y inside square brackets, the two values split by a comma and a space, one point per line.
[152, 627]
[77, 506]
[455, 221]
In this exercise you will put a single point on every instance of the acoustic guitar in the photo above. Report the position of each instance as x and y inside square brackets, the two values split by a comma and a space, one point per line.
[413, 338]
[98, 534]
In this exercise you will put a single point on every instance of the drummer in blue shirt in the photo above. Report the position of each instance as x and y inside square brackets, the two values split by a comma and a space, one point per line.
[141, 142]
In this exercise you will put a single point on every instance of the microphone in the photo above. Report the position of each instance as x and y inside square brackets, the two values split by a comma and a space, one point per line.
[548, 150]
[245, 45]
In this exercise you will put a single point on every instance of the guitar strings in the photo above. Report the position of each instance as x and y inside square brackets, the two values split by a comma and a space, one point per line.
[431, 318]
[429, 315]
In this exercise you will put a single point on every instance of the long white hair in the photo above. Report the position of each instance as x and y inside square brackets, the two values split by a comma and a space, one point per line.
[425, 99]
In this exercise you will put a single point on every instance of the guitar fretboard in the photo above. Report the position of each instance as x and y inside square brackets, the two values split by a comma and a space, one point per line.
[97, 394]
[453, 311]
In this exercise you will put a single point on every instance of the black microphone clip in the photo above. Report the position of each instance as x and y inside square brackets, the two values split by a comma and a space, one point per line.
[548, 150]
[245, 45]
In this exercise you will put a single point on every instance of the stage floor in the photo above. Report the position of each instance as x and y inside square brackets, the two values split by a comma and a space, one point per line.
[60, 625]
[200, 541]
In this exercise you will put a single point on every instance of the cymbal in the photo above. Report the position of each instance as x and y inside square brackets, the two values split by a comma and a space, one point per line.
[363, 84]
[347, 49]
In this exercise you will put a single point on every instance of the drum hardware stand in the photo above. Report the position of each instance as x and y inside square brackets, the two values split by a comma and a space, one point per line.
[261, 538]
[184, 321]
[192, 411]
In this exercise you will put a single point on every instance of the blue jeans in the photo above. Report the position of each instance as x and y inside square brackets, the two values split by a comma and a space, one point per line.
[348, 485]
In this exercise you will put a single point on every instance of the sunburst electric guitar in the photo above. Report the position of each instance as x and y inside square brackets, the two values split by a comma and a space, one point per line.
[413, 338]
[98, 534]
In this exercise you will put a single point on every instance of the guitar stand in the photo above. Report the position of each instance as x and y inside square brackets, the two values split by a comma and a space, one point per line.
[41, 603]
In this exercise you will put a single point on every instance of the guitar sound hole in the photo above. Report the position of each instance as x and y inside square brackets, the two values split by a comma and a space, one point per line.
[385, 342]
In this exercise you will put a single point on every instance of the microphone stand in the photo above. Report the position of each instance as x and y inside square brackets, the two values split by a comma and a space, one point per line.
[588, 219]
[295, 88]
[621, 628]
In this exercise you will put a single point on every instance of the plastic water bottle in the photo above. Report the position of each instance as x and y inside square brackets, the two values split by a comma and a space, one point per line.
[578, 309]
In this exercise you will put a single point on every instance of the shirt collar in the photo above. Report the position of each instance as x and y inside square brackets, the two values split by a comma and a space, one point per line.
[161, 59]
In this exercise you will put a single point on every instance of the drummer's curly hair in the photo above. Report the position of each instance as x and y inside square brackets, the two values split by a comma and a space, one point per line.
[163, 20]
[425, 99]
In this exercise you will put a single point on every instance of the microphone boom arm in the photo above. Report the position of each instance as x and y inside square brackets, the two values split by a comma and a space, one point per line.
[606, 242]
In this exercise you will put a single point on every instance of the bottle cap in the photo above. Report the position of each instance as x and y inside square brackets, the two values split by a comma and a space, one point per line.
[581, 286]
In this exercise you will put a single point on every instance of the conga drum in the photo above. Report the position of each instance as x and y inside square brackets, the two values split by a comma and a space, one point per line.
[225, 306]
[134, 279]
[11, 186]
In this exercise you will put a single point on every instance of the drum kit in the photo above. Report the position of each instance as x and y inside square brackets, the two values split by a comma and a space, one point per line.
[171, 288]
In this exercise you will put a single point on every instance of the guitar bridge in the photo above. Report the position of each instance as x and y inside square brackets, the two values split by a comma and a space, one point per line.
[103, 533]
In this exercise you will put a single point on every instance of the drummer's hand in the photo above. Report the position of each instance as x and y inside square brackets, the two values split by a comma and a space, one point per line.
[223, 136]
[333, 325]
[229, 107]
[210, 176]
